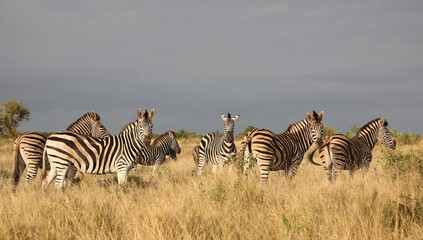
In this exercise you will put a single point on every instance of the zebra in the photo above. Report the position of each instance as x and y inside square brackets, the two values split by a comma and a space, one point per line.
[338, 152]
[28, 147]
[195, 154]
[218, 148]
[155, 154]
[282, 151]
[91, 155]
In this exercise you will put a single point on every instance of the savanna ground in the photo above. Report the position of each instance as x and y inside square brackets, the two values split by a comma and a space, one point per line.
[386, 204]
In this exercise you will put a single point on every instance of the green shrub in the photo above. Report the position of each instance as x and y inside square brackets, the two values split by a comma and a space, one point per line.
[405, 138]
[399, 163]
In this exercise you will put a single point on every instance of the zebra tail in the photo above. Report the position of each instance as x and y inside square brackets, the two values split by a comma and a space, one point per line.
[246, 142]
[44, 167]
[309, 154]
[18, 158]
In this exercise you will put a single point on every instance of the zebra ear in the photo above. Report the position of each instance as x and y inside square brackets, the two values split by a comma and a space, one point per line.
[223, 117]
[320, 116]
[140, 113]
[235, 118]
[310, 117]
[382, 122]
[152, 113]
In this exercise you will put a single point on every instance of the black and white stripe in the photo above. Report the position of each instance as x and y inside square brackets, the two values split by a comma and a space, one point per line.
[117, 153]
[29, 147]
[339, 152]
[155, 154]
[217, 148]
[283, 151]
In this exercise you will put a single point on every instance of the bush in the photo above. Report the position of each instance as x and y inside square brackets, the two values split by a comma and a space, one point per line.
[399, 163]
[243, 133]
[405, 138]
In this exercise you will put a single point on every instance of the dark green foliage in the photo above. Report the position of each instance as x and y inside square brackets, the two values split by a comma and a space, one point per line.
[187, 135]
[243, 133]
[353, 131]
[329, 130]
[12, 112]
[400, 163]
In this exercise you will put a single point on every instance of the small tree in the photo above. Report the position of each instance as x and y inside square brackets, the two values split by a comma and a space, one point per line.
[353, 130]
[243, 133]
[12, 113]
[329, 130]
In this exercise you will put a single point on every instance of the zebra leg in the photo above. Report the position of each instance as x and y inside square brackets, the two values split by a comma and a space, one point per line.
[122, 174]
[31, 172]
[134, 169]
[292, 170]
[264, 166]
[328, 170]
[61, 176]
[70, 175]
[201, 163]
[366, 165]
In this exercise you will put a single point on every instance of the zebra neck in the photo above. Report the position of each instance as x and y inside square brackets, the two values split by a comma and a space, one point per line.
[366, 139]
[227, 146]
[162, 144]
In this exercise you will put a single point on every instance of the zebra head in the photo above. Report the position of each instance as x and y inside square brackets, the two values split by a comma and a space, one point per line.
[384, 135]
[315, 125]
[229, 126]
[174, 146]
[98, 130]
[145, 125]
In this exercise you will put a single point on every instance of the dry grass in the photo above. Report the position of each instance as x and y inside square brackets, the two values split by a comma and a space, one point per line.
[178, 205]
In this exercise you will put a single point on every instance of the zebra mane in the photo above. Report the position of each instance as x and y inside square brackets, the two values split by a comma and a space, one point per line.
[92, 115]
[155, 141]
[293, 125]
[370, 123]
[128, 126]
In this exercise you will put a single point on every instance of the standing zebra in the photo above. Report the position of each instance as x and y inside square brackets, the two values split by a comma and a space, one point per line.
[117, 153]
[339, 152]
[155, 154]
[29, 147]
[283, 151]
[218, 148]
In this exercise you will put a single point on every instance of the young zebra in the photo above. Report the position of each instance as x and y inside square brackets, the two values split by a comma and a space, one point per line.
[339, 152]
[117, 153]
[218, 148]
[283, 151]
[155, 154]
[29, 147]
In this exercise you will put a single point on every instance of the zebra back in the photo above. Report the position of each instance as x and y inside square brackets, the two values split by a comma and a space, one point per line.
[29, 146]
[89, 124]
[281, 151]
[168, 144]
[342, 153]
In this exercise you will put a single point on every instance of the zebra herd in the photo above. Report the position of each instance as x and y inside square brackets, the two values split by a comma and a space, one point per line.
[88, 147]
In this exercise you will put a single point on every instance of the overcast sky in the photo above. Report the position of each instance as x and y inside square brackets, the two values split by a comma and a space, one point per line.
[269, 61]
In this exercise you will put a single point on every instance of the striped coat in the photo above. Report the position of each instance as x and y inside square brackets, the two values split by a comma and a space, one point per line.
[29, 147]
[117, 153]
[283, 151]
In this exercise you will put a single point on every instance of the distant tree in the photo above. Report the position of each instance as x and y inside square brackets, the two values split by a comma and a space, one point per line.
[186, 134]
[243, 133]
[12, 112]
[329, 130]
[353, 130]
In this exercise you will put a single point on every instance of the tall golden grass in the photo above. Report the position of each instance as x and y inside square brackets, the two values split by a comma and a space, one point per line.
[176, 204]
